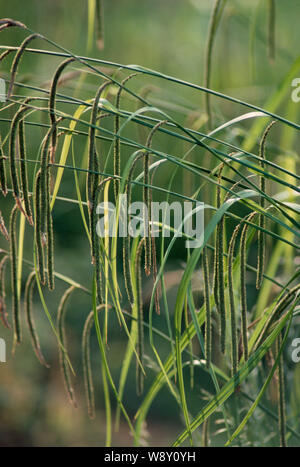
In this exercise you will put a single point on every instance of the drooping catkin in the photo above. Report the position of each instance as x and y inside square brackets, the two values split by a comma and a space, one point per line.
[24, 181]
[219, 268]
[16, 61]
[205, 434]
[3, 184]
[86, 361]
[45, 194]
[52, 109]
[271, 29]
[117, 142]
[234, 335]
[140, 319]
[92, 178]
[14, 285]
[3, 229]
[3, 310]
[12, 157]
[87, 370]
[280, 306]
[126, 239]
[208, 311]
[243, 264]
[147, 200]
[5, 54]
[261, 220]
[8, 23]
[95, 250]
[30, 319]
[38, 228]
[281, 396]
[50, 239]
[61, 314]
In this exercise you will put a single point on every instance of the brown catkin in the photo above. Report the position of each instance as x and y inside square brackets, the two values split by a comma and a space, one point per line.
[61, 314]
[50, 239]
[219, 268]
[147, 200]
[243, 265]
[280, 306]
[95, 249]
[208, 311]
[92, 178]
[140, 320]
[24, 181]
[12, 157]
[117, 143]
[126, 240]
[234, 336]
[14, 285]
[30, 320]
[52, 109]
[261, 220]
[281, 396]
[38, 235]
[16, 61]
[3, 310]
[3, 185]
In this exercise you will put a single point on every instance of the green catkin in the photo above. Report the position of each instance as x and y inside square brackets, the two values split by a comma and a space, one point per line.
[38, 228]
[30, 320]
[126, 240]
[61, 314]
[16, 61]
[140, 338]
[3, 184]
[281, 396]
[52, 109]
[24, 181]
[86, 361]
[234, 335]
[3, 310]
[208, 320]
[147, 201]
[95, 250]
[261, 220]
[117, 142]
[243, 265]
[208, 57]
[271, 29]
[14, 285]
[3, 229]
[92, 178]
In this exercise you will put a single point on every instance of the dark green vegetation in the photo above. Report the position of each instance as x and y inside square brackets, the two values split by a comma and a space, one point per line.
[205, 333]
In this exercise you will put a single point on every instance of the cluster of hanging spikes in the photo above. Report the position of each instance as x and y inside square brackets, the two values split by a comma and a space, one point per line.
[43, 235]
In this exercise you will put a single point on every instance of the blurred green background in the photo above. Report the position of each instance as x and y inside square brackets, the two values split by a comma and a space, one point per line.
[169, 36]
